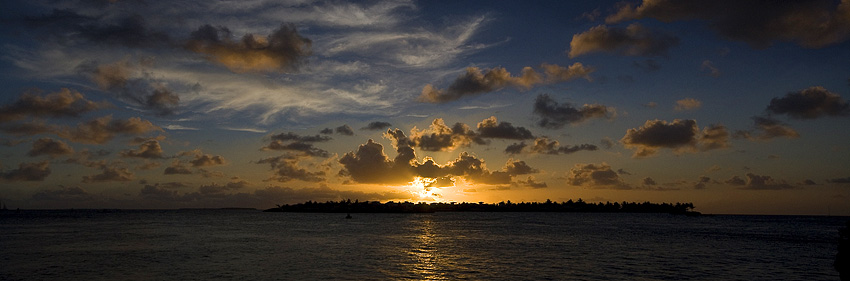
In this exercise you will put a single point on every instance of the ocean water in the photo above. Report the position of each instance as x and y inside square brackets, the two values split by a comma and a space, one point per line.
[252, 245]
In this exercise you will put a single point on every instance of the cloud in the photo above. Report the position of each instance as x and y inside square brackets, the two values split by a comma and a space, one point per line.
[113, 76]
[702, 181]
[51, 147]
[810, 103]
[767, 128]
[679, 135]
[177, 167]
[162, 101]
[839, 180]
[102, 130]
[440, 137]
[530, 182]
[687, 104]
[286, 168]
[344, 130]
[607, 143]
[595, 176]
[369, 164]
[634, 40]
[712, 70]
[206, 160]
[290, 136]
[280, 51]
[555, 116]
[149, 149]
[72, 28]
[64, 103]
[757, 182]
[214, 188]
[546, 146]
[73, 193]
[491, 128]
[293, 142]
[648, 65]
[110, 173]
[376, 126]
[811, 24]
[648, 181]
[474, 82]
[27, 172]
[144, 90]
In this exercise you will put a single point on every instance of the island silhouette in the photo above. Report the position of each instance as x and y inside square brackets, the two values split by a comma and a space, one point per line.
[356, 206]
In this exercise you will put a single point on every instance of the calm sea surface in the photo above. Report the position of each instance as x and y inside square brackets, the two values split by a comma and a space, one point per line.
[252, 245]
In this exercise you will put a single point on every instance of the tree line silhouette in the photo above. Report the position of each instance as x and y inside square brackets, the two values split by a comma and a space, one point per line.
[356, 206]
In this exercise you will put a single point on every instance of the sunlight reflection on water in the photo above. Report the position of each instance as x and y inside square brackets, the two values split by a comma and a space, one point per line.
[242, 245]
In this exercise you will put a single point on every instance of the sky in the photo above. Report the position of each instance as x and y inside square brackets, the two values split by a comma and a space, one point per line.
[740, 107]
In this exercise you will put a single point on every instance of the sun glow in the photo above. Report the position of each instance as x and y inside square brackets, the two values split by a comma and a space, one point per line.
[428, 189]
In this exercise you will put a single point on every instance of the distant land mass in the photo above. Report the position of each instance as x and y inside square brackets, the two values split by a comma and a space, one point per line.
[347, 206]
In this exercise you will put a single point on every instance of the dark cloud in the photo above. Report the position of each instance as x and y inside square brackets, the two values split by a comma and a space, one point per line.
[474, 82]
[221, 189]
[149, 149]
[144, 91]
[555, 116]
[491, 128]
[679, 135]
[735, 180]
[369, 164]
[177, 167]
[281, 51]
[702, 182]
[102, 130]
[515, 148]
[607, 143]
[27, 172]
[290, 136]
[810, 103]
[206, 160]
[623, 172]
[546, 146]
[72, 28]
[530, 182]
[302, 147]
[634, 40]
[50, 147]
[648, 65]
[648, 181]
[839, 180]
[286, 168]
[812, 24]
[767, 128]
[595, 176]
[326, 131]
[344, 130]
[64, 103]
[34, 127]
[757, 182]
[376, 126]
[303, 144]
[110, 173]
[74, 193]
[162, 101]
